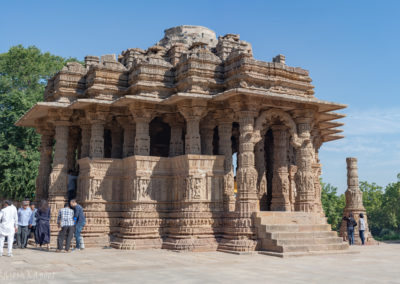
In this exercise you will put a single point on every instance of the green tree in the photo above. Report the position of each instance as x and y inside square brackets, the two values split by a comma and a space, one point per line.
[333, 205]
[373, 202]
[23, 76]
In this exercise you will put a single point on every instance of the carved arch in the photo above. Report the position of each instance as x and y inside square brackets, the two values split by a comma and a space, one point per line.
[267, 116]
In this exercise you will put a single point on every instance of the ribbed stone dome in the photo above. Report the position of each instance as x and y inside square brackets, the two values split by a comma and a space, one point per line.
[187, 35]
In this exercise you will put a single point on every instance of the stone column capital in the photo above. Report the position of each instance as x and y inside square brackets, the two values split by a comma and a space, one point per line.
[193, 110]
[173, 119]
[303, 115]
[126, 121]
[142, 111]
[97, 117]
[60, 114]
[224, 116]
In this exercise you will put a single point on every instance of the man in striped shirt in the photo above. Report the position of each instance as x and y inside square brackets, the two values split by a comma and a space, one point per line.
[65, 220]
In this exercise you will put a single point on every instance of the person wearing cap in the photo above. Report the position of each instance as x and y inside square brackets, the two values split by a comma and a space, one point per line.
[8, 226]
[24, 215]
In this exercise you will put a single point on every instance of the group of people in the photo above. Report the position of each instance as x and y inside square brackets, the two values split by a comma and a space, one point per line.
[351, 224]
[29, 220]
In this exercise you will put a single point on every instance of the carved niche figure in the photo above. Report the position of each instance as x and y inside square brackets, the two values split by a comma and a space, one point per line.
[194, 188]
[95, 189]
[142, 189]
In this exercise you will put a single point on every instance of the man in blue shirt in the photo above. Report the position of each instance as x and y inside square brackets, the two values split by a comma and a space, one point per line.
[24, 215]
[80, 221]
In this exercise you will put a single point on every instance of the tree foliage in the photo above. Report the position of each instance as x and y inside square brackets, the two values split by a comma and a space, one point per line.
[23, 76]
[383, 208]
[333, 205]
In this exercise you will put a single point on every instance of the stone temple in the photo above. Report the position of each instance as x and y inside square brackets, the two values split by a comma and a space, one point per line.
[154, 135]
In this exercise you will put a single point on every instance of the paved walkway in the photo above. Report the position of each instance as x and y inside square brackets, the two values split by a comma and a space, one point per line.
[374, 264]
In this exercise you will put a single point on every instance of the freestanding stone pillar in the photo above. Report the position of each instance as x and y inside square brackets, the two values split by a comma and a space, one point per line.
[354, 204]
[305, 198]
[46, 150]
[280, 180]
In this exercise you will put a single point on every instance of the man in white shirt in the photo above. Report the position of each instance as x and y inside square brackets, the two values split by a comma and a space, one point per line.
[8, 226]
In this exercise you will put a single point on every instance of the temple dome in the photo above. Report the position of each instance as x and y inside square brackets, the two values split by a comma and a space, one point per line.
[188, 35]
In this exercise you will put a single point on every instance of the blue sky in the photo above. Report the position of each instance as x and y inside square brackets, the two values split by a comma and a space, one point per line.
[351, 48]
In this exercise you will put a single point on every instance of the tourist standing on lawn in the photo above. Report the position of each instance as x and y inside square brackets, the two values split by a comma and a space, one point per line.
[42, 233]
[80, 222]
[24, 215]
[351, 223]
[65, 221]
[32, 222]
[8, 226]
[361, 228]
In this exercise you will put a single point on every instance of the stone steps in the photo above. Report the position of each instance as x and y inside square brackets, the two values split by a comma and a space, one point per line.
[290, 218]
[296, 233]
[299, 235]
[295, 228]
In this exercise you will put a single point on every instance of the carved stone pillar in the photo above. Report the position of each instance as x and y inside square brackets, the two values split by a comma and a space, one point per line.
[58, 178]
[317, 186]
[142, 138]
[176, 143]
[354, 204]
[97, 139]
[246, 202]
[46, 150]
[85, 146]
[73, 140]
[305, 199]
[225, 148]
[142, 115]
[127, 123]
[193, 112]
[239, 232]
[116, 142]
[261, 170]
[192, 138]
[292, 194]
[280, 180]
[207, 135]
